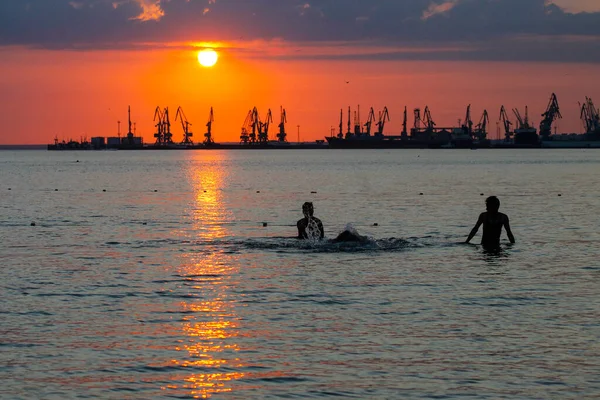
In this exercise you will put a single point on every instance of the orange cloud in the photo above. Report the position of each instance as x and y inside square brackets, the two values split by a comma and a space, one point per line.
[151, 10]
[438, 8]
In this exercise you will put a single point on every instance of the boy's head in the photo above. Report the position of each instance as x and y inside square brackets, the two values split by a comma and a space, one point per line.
[492, 204]
[308, 209]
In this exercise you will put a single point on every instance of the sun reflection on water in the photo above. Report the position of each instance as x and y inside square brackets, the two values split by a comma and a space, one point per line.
[210, 323]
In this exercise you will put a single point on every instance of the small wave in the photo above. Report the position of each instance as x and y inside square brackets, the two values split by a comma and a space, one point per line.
[326, 246]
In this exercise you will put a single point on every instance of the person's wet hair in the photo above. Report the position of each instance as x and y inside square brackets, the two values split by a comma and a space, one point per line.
[492, 203]
[307, 208]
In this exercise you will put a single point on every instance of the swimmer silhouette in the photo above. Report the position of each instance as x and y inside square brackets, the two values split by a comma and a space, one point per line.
[492, 221]
[349, 234]
[309, 226]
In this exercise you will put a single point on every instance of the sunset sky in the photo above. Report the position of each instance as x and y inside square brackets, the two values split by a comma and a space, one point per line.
[70, 68]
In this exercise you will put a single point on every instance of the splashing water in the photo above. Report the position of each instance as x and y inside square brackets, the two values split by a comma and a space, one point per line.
[313, 233]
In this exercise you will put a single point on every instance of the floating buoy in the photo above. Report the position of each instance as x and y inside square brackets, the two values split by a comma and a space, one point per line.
[56, 190]
[33, 224]
[144, 223]
[104, 190]
[155, 190]
[258, 191]
[205, 191]
[420, 194]
[559, 195]
[313, 192]
[77, 161]
[264, 224]
[9, 189]
[375, 224]
[481, 194]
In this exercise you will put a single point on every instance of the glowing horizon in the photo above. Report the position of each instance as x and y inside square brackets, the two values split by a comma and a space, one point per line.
[90, 91]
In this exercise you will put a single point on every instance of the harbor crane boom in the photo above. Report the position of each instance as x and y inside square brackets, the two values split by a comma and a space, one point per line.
[481, 128]
[506, 122]
[263, 128]
[468, 124]
[255, 125]
[590, 116]
[404, 123]
[369, 122]
[383, 116]
[427, 120]
[158, 118]
[552, 114]
[282, 136]
[208, 135]
[418, 120]
[523, 122]
[185, 125]
[357, 123]
[341, 134]
[349, 132]
[167, 135]
[246, 127]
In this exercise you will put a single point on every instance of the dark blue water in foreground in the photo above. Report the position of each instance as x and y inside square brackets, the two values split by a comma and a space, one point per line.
[167, 284]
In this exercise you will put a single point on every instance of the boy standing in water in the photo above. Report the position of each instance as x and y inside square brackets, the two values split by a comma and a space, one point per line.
[492, 222]
[309, 226]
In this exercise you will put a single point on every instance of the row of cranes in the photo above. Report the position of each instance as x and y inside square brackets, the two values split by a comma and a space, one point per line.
[358, 131]
[164, 136]
[424, 124]
[467, 127]
[590, 117]
[255, 130]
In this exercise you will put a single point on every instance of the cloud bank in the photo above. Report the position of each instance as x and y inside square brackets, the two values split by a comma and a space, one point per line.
[540, 30]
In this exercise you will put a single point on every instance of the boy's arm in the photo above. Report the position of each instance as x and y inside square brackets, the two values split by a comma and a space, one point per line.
[508, 231]
[475, 228]
[321, 230]
[301, 232]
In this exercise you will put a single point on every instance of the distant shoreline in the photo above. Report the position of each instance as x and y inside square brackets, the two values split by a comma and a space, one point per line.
[23, 146]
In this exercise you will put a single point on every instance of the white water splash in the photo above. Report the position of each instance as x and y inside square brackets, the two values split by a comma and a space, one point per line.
[313, 233]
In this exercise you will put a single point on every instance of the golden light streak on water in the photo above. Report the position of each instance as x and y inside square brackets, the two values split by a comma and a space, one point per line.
[210, 323]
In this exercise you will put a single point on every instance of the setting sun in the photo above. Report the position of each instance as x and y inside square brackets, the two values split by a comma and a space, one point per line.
[207, 58]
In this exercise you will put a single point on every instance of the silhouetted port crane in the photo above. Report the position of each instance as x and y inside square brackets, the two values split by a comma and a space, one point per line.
[130, 134]
[590, 116]
[349, 132]
[369, 122]
[418, 120]
[552, 114]
[185, 125]
[247, 127]
[506, 122]
[480, 132]
[340, 134]
[208, 140]
[383, 116]
[254, 125]
[523, 122]
[467, 125]
[263, 128]
[158, 118]
[282, 136]
[427, 120]
[404, 124]
[167, 135]
[357, 123]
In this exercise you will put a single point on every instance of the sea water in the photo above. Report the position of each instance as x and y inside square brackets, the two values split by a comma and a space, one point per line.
[149, 274]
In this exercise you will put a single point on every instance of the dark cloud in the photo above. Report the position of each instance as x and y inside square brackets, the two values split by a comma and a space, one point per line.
[488, 27]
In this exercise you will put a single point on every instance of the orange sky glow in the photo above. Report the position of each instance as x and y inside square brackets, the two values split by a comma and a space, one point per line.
[75, 94]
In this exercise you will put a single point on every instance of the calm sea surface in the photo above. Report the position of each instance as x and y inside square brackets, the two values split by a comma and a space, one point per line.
[150, 275]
